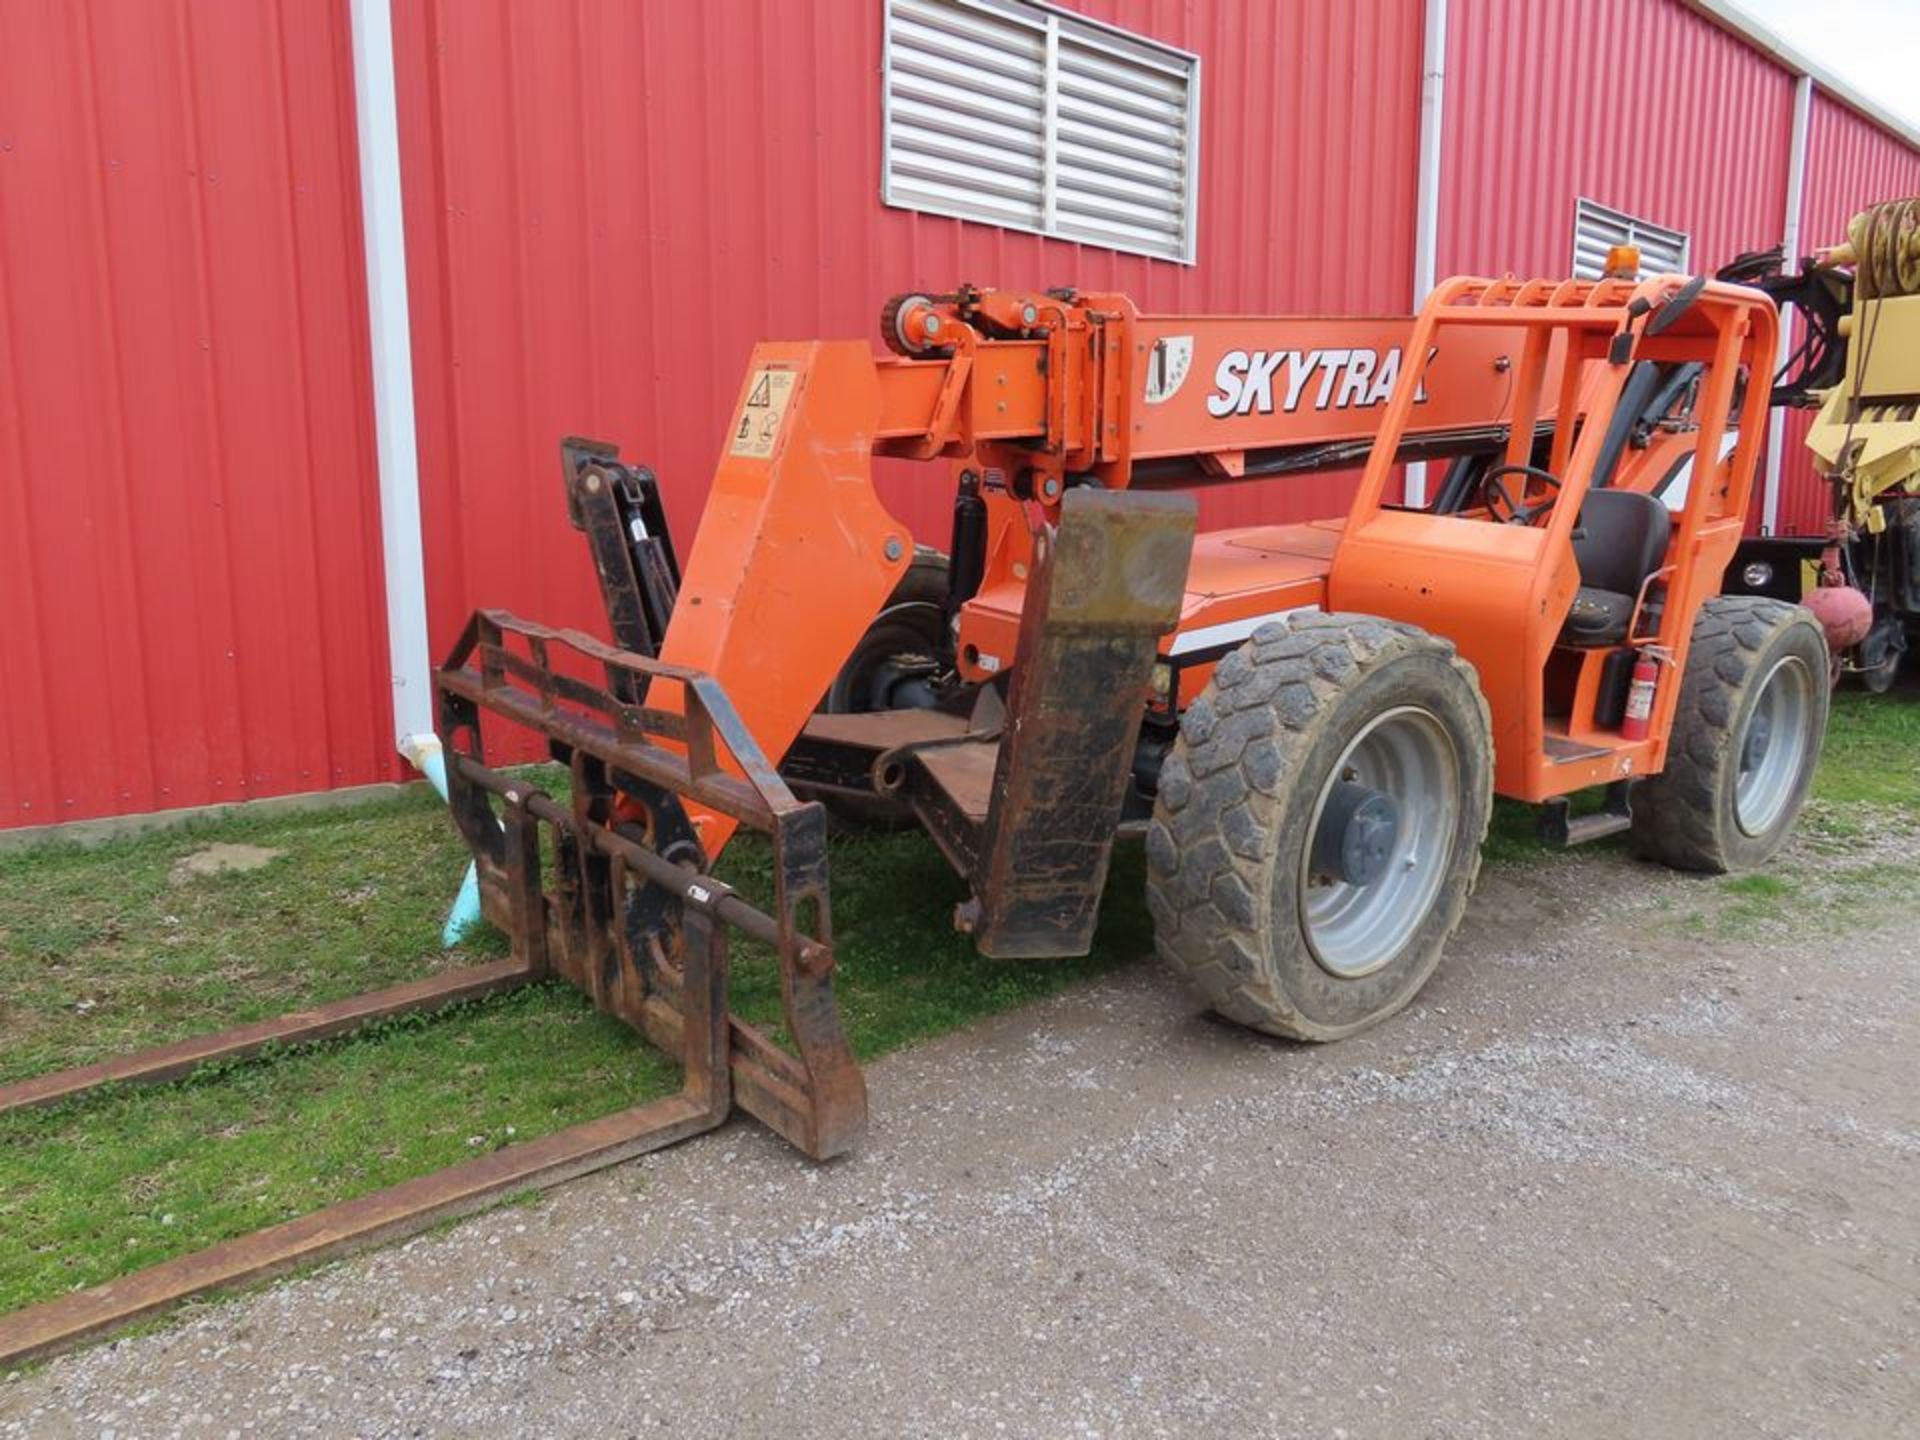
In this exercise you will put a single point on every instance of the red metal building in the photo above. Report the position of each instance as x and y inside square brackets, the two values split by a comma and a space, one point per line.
[606, 205]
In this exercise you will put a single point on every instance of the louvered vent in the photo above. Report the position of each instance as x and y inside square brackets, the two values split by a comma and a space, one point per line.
[1018, 115]
[1597, 229]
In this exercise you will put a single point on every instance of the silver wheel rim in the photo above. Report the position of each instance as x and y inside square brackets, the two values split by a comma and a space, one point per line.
[1772, 746]
[1354, 930]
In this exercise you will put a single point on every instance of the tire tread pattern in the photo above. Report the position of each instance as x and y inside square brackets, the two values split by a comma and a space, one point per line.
[1210, 848]
[1677, 814]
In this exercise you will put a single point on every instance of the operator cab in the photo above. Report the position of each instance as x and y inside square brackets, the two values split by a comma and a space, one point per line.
[1619, 542]
[1621, 539]
[1569, 544]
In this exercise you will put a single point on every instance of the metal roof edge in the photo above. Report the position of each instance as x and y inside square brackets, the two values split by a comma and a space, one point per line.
[1736, 21]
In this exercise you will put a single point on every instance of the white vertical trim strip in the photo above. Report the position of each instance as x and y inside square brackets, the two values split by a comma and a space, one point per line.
[376, 111]
[1790, 253]
[1050, 130]
[1190, 240]
[1426, 214]
[886, 101]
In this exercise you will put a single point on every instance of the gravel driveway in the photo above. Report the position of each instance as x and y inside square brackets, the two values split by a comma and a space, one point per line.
[1636, 1164]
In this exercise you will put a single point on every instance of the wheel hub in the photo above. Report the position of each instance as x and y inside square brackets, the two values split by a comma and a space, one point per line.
[1359, 828]
[1383, 829]
[900, 682]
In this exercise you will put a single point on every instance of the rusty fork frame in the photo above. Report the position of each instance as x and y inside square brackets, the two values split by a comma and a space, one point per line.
[624, 910]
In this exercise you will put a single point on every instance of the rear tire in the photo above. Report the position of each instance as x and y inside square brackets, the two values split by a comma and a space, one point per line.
[1746, 736]
[1240, 905]
[1880, 654]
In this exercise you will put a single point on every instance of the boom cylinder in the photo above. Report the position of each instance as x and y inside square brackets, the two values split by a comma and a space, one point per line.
[967, 556]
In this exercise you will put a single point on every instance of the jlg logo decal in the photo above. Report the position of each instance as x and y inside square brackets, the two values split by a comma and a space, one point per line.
[1246, 382]
[1167, 367]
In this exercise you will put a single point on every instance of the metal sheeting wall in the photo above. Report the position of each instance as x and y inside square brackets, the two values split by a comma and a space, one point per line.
[609, 204]
[1642, 105]
[1612, 101]
[189, 537]
[1851, 163]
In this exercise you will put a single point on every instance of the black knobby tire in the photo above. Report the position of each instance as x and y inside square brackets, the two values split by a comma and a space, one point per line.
[1700, 812]
[1879, 679]
[1878, 657]
[1239, 795]
[912, 622]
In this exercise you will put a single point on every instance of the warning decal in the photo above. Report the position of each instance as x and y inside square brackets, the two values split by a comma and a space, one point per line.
[758, 425]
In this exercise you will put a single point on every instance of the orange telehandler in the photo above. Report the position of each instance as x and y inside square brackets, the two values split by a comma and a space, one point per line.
[1307, 723]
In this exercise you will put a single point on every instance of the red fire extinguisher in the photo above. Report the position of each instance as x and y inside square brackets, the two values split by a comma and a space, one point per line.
[1646, 676]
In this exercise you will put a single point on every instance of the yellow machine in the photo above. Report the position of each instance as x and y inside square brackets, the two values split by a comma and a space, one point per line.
[1858, 367]
[1867, 434]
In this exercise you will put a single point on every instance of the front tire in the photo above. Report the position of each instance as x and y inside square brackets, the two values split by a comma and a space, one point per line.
[1747, 732]
[1318, 825]
[911, 627]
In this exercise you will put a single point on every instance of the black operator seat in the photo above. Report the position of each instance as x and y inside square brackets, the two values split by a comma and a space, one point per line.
[1620, 540]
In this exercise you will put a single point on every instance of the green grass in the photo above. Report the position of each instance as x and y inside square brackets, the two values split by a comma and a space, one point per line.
[1512, 838]
[1871, 764]
[1869, 770]
[110, 949]
[1743, 905]
[126, 1180]
[105, 949]
[1758, 887]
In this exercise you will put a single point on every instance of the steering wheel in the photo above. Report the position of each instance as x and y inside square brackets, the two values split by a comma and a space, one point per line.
[1493, 494]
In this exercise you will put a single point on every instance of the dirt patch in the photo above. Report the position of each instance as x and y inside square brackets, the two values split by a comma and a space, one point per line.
[222, 859]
